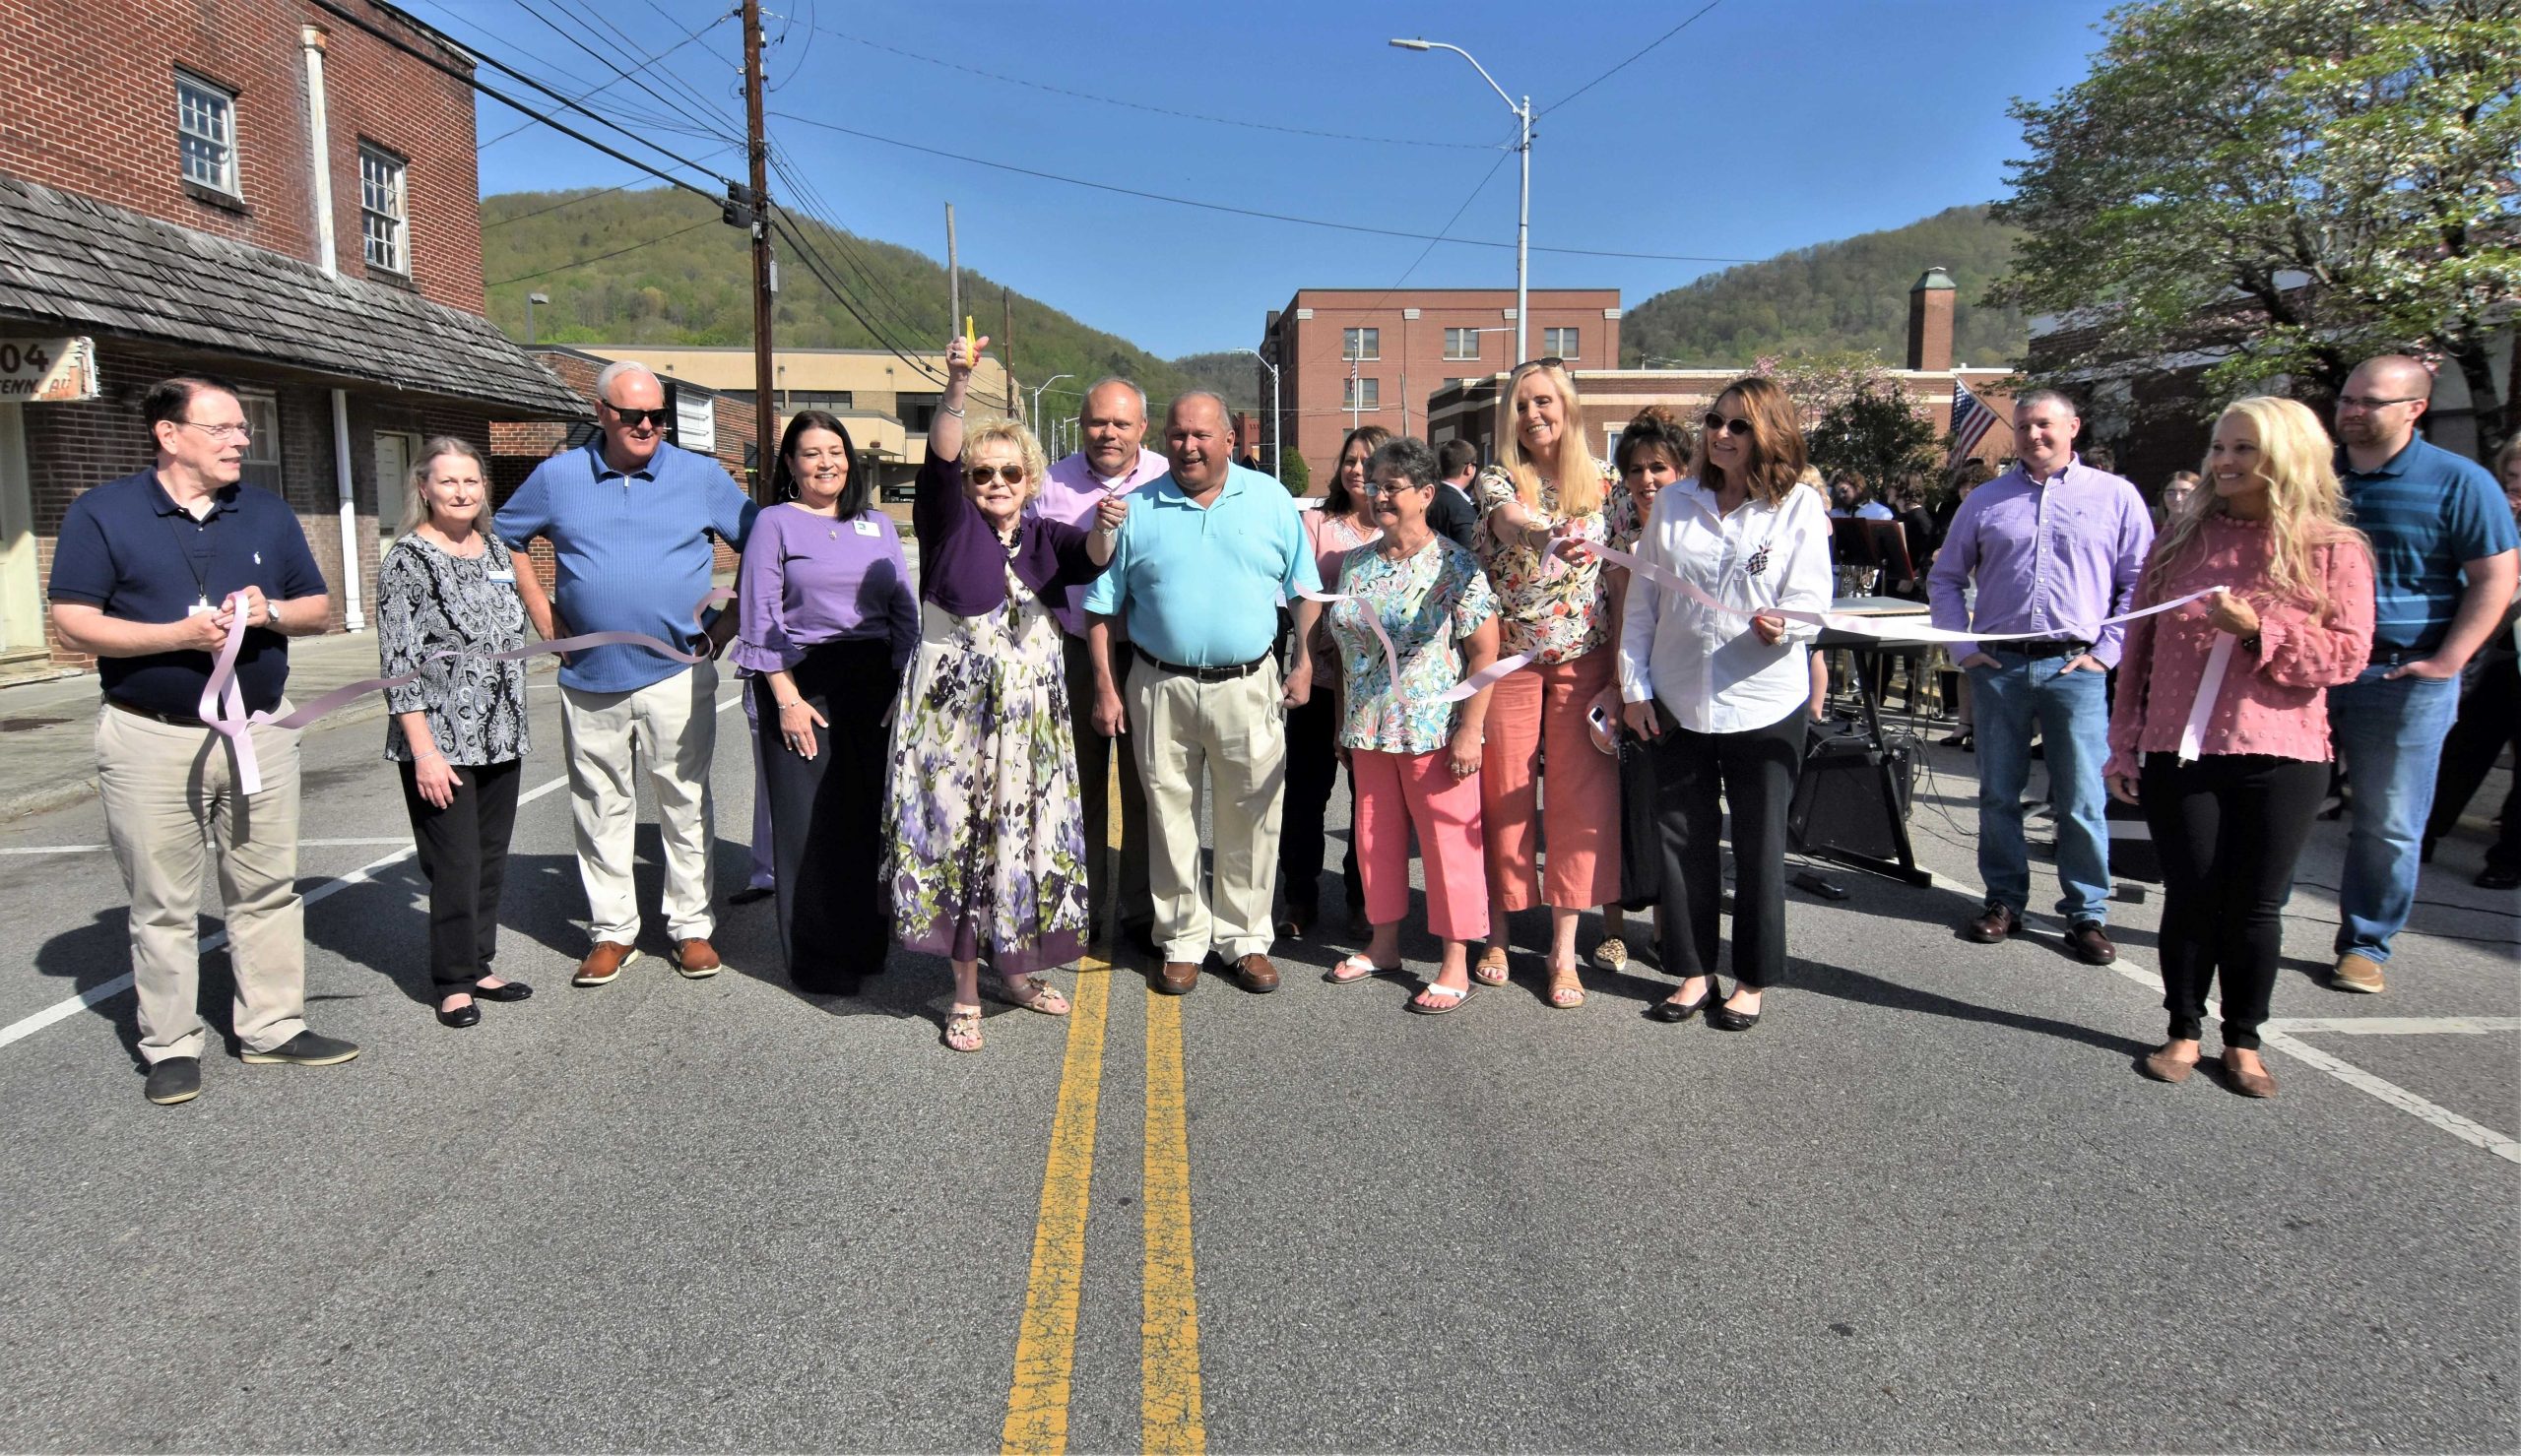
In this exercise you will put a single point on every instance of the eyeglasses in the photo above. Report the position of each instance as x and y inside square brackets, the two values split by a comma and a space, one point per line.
[637, 418]
[1392, 487]
[216, 431]
[2372, 402]
[1012, 474]
[1718, 424]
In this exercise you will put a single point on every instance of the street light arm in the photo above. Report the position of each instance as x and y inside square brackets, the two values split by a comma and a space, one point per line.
[1510, 105]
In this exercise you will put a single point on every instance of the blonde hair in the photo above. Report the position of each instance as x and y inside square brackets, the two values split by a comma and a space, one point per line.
[2306, 505]
[1037, 463]
[416, 499]
[1577, 475]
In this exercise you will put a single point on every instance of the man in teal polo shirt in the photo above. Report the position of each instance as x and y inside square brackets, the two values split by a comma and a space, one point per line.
[1205, 556]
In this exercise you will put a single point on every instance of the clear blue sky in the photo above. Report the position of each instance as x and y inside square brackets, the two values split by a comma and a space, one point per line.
[1764, 125]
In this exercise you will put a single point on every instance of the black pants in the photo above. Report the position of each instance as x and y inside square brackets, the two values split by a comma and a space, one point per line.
[2490, 721]
[826, 815]
[464, 854]
[1095, 756]
[1312, 771]
[1754, 771]
[2229, 828]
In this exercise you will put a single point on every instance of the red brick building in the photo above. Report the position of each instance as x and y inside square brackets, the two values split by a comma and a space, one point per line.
[261, 190]
[1348, 356]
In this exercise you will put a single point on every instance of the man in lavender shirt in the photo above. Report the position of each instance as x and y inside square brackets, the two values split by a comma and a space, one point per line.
[2056, 548]
[1112, 421]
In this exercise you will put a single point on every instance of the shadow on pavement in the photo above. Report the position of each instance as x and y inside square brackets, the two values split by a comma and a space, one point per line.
[1856, 985]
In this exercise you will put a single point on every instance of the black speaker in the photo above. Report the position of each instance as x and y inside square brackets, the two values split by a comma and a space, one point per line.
[1841, 801]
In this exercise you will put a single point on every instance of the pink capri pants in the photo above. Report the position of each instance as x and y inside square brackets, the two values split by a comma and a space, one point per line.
[1396, 790]
[1537, 712]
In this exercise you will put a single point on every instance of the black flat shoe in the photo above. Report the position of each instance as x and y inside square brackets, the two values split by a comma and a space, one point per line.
[1726, 1019]
[514, 991]
[1675, 1013]
[468, 1014]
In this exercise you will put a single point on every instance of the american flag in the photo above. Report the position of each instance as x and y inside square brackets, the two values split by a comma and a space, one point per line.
[1971, 420]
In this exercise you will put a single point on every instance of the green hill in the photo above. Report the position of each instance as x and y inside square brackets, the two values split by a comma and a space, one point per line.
[1848, 295]
[1232, 374]
[677, 274]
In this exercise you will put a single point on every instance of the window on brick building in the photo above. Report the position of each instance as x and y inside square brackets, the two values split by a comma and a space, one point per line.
[383, 219]
[206, 125]
[1462, 344]
[262, 442]
[1361, 344]
[1565, 343]
[1361, 394]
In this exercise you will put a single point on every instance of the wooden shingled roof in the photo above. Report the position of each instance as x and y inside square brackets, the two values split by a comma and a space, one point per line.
[107, 269]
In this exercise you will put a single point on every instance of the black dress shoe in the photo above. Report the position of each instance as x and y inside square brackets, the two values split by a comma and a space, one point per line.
[468, 1014]
[175, 1079]
[750, 894]
[1675, 1012]
[1726, 1019]
[514, 991]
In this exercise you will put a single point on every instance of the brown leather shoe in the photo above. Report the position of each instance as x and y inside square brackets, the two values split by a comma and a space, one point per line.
[1177, 977]
[1255, 974]
[2090, 943]
[2247, 1084]
[696, 959]
[1993, 924]
[2162, 1066]
[2356, 973]
[603, 963]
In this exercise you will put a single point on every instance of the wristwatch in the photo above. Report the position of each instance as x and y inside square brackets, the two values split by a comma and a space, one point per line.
[270, 613]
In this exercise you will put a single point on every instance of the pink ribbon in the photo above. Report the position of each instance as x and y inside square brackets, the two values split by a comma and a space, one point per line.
[2219, 660]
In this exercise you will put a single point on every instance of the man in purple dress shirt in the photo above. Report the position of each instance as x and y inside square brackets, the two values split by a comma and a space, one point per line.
[2056, 546]
[1111, 423]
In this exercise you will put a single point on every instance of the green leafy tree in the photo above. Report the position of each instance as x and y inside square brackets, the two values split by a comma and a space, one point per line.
[2287, 185]
[1295, 474]
[1876, 432]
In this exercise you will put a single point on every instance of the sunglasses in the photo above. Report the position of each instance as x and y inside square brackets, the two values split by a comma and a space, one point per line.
[1546, 362]
[1718, 424]
[637, 418]
[1012, 474]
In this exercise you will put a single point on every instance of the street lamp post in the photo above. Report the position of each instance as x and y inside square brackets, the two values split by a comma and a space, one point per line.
[1277, 439]
[1524, 226]
[531, 300]
[1037, 399]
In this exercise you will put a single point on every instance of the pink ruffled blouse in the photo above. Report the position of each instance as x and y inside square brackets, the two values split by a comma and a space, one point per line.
[2274, 702]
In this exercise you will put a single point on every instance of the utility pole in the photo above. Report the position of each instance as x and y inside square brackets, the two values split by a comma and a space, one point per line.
[954, 283]
[1007, 352]
[765, 275]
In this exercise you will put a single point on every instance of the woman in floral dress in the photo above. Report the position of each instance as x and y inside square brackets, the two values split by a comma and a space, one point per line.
[988, 856]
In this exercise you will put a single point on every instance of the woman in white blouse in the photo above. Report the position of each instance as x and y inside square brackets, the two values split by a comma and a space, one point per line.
[1719, 694]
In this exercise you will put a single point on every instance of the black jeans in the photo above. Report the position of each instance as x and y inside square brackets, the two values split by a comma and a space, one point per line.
[826, 815]
[464, 855]
[2229, 829]
[2490, 719]
[1313, 771]
[1095, 756]
[1754, 770]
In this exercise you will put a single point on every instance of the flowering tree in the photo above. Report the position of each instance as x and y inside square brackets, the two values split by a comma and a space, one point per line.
[1857, 415]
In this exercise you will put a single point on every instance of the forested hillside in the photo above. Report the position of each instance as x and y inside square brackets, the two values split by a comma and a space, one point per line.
[1848, 295]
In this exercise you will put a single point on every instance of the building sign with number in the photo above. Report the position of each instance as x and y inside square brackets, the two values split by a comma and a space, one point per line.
[47, 371]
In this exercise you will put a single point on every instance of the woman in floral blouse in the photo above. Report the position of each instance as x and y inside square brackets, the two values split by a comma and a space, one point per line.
[1413, 755]
[1537, 512]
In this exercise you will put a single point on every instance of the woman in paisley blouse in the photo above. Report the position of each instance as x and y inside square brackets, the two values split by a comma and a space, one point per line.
[1537, 512]
[446, 597]
[1344, 521]
[1413, 756]
[988, 852]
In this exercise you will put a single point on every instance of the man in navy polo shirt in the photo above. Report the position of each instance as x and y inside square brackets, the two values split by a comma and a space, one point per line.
[630, 519]
[149, 573]
[2443, 566]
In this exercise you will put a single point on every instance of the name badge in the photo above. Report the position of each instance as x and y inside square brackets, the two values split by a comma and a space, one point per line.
[505, 578]
[198, 608]
[865, 527]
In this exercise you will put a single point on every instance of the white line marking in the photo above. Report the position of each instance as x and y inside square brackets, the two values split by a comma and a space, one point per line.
[2393, 1026]
[28, 1025]
[55, 850]
[304, 843]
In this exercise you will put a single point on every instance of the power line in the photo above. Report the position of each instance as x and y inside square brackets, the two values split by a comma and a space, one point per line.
[600, 257]
[1631, 60]
[1218, 207]
[712, 121]
[660, 56]
[670, 104]
[822, 270]
[570, 202]
[897, 312]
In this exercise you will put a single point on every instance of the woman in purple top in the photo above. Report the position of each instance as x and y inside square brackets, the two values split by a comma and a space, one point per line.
[988, 853]
[824, 623]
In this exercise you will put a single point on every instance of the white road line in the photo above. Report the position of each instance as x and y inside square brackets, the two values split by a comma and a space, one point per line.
[304, 843]
[2393, 1026]
[2476, 1134]
[28, 1025]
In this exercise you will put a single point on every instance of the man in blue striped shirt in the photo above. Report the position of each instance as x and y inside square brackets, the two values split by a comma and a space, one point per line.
[2444, 564]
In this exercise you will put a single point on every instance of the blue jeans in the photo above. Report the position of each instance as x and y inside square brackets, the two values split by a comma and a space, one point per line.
[2072, 712]
[2390, 735]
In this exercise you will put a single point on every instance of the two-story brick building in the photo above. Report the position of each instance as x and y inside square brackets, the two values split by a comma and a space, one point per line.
[261, 190]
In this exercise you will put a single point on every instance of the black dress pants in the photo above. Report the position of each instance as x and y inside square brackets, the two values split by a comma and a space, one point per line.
[1696, 776]
[1312, 771]
[826, 815]
[2229, 828]
[464, 855]
[2490, 721]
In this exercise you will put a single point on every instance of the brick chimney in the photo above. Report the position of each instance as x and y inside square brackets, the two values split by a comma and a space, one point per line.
[1930, 322]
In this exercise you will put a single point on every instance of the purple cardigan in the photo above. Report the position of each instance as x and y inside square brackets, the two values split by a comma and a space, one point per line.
[962, 569]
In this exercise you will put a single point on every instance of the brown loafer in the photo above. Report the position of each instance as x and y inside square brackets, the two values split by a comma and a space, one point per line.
[2090, 943]
[2247, 1084]
[2356, 973]
[1177, 977]
[696, 959]
[1993, 924]
[2162, 1066]
[603, 963]
[1255, 974]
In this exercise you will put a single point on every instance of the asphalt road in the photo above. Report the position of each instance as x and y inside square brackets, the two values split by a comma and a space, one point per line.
[1926, 1203]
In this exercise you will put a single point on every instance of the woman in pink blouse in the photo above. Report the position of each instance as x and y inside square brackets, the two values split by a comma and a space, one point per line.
[2230, 771]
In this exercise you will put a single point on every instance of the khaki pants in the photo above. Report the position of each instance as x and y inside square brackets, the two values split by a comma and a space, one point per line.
[671, 725]
[172, 805]
[1236, 733]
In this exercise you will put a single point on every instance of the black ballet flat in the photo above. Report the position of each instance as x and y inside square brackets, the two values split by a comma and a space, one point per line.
[514, 991]
[468, 1014]
[1674, 1012]
[1726, 1019]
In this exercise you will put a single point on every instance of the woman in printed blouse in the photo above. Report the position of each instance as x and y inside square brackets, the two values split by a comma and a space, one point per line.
[988, 848]
[826, 622]
[2230, 801]
[1413, 756]
[1344, 521]
[1538, 511]
[458, 729]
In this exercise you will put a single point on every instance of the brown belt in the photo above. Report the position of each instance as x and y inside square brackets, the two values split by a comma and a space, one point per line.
[172, 719]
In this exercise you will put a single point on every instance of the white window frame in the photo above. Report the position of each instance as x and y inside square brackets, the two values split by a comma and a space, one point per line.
[263, 456]
[194, 93]
[1561, 331]
[1363, 342]
[1471, 333]
[1364, 394]
[393, 229]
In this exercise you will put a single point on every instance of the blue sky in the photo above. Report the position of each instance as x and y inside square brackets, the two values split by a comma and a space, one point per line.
[1764, 125]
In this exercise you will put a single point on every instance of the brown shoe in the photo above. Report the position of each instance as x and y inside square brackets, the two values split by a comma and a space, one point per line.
[2356, 973]
[2090, 943]
[603, 963]
[1993, 924]
[1177, 977]
[2247, 1084]
[696, 959]
[1255, 974]
[2162, 1066]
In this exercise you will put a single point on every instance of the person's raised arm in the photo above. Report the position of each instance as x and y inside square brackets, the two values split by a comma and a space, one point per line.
[946, 431]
